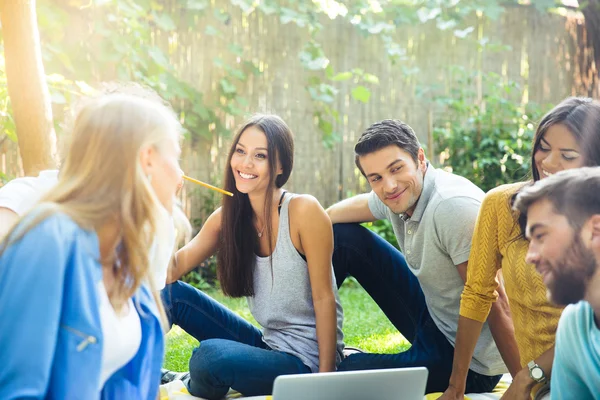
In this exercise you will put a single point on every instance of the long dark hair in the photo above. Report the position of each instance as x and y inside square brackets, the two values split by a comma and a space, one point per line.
[581, 116]
[239, 237]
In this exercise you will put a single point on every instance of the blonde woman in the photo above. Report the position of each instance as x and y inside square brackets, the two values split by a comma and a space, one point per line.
[79, 314]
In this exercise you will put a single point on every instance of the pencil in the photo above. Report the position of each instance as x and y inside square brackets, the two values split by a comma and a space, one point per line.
[206, 185]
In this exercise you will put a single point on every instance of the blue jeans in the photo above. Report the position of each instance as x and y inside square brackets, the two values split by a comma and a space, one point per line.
[382, 271]
[232, 353]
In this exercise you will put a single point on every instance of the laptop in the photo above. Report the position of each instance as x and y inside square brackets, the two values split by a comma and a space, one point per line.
[379, 384]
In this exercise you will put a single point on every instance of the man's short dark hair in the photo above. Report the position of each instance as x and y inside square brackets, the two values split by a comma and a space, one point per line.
[385, 133]
[574, 193]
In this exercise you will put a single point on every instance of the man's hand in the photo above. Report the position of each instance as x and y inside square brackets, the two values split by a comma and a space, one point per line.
[453, 393]
[520, 388]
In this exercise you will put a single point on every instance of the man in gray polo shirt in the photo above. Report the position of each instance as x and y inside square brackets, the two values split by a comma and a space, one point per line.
[433, 214]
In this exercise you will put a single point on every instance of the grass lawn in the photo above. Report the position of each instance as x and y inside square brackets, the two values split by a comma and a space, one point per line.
[365, 326]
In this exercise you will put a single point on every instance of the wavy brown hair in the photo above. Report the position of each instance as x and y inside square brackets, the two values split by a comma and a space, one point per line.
[581, 116]
[239, 237]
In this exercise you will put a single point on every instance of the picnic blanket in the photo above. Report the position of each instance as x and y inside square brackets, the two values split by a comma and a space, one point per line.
[176, 390]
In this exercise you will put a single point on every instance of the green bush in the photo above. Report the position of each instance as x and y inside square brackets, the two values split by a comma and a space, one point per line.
[486, 141]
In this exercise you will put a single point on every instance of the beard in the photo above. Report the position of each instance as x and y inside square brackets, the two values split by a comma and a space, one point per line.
[571, 273]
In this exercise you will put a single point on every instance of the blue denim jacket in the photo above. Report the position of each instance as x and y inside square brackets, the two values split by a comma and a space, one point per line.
[50, 330]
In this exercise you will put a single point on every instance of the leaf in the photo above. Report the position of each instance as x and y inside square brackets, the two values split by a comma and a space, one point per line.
[371, 79]
[342, 76]
[361, 93]
[58, 97]
[288, 15]
[445, 24]
[329, 72]
[325, 126]
[268, 7]
[245, 5]
[394, 50]
[252, 67]
[313, 63]
[242, 101]
[426, 14]
[211, 31]
[164, 22]
[228, 87]
[379, 27]
[201, 111]
[218, 61]
[158, 56]
[233, 110]
[236, 73]
[222, 16]
[85, 88]
[463, 33]
[55, 78]
[323, 92]
[198, 5]
[493, 10]
[9, 127]
[236, 49]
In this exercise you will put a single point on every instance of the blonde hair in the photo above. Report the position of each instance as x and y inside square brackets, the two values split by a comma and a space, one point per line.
[102, 180]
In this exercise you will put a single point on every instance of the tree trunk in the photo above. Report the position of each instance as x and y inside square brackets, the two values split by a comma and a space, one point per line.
[27, 87]
[591, 14]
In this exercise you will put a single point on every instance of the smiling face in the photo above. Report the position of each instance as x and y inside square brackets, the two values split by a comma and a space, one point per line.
[558, 253]
[249, 161]
[395, 177]
[557, 150]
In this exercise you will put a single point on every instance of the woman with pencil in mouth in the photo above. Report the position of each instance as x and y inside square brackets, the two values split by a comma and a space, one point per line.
[270, 252]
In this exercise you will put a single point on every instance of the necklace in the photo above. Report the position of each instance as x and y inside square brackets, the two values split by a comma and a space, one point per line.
[261, 232]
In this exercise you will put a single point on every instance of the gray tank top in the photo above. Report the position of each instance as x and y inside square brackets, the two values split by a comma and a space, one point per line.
[282, 303]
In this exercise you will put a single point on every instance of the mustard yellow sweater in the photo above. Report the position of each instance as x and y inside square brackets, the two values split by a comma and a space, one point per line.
[496, 244]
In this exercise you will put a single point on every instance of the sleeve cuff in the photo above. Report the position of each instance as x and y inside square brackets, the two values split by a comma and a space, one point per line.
[11, 205]
[461, 257]
[376, 207]
[480, 314]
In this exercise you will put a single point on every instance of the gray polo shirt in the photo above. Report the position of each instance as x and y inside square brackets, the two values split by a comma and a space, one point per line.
[435, 239]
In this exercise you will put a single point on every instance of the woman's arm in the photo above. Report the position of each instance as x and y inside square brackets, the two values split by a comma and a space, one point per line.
[480, 293]
[316, 240]
[32, 274]
[201, 247]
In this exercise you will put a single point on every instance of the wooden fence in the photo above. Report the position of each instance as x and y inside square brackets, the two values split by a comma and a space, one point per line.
[540, 59]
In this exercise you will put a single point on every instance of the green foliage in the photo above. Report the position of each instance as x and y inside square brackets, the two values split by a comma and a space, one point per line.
[7, 123]
[488, 140]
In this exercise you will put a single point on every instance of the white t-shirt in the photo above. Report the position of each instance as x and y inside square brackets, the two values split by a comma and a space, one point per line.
[21, 194]
[121, 333]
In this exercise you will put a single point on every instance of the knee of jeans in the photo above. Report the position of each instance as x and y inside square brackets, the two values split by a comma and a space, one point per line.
[207, 359]
[170, 292]
[168, 295]
[344, 232]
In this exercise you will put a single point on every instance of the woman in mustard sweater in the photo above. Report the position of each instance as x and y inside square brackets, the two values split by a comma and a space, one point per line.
[567, 137]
